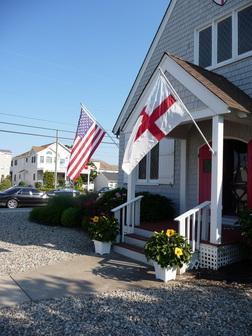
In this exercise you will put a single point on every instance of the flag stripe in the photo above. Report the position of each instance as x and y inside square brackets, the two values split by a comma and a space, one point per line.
[83, 160]
[88, 137]
[90, 154]
[85, 145]
[84, 156]
[79, 148]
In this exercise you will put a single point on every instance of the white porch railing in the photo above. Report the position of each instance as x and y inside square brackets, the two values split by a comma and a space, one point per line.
[128, 215]
[194, 224]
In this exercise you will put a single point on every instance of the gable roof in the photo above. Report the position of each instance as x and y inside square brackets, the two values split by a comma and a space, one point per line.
[229, 93]
[221, 87]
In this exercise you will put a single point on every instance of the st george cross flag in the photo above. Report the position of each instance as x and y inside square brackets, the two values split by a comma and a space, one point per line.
[162, 112]
[88, 137]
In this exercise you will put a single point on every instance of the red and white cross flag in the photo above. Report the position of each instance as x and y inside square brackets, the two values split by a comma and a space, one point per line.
[88, 137]
[162, 112]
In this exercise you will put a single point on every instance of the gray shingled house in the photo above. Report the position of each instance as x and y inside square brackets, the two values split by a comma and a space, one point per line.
[205, 50]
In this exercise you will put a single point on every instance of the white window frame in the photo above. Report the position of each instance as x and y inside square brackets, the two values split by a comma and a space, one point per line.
[148, 180]
[214, 24]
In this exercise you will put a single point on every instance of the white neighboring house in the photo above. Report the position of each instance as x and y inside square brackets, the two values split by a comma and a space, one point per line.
[5, 163]
[106, 179]
[30, 166]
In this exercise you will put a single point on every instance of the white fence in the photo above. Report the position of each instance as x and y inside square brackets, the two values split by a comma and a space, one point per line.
[194, 224]
[128, 215]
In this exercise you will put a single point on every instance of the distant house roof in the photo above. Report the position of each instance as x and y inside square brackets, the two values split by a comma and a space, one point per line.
[5, 151]
[113, 177]
[106, 166]
[36, 149]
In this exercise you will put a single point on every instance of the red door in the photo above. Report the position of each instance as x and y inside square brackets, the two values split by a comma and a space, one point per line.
[249, 191]
[205, 163]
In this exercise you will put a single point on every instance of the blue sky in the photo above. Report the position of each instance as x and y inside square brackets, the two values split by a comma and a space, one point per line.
[55, 54]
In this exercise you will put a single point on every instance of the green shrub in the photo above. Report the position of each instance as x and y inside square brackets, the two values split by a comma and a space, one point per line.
[71, 217]
[5, 184]
[56, 206]
[245, 218]
[155, 207]
[38, 185]
[111, 199]
[42, 215]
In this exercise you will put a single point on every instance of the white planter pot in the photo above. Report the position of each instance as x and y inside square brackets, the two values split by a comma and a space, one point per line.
[102, 247]
[165, 274]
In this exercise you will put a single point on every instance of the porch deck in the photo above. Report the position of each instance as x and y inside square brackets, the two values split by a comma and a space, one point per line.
[230, 234]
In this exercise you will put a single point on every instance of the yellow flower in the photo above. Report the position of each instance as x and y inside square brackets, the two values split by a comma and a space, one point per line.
[95, 219]
[170, 232]
[178, 251]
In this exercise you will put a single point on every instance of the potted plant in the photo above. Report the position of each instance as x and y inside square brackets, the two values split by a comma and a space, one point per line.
[168, 250]
[103, 230]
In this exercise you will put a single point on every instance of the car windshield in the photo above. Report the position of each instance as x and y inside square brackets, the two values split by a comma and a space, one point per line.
[11, 191]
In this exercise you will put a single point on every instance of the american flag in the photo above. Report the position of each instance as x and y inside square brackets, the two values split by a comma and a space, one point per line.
[88, 137]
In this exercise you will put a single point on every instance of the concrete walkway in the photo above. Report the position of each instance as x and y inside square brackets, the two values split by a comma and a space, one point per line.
[81, 275]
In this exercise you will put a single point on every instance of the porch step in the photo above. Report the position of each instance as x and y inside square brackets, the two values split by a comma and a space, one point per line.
[230, 220]
[143, 232]
[132, 252]
[135, 240]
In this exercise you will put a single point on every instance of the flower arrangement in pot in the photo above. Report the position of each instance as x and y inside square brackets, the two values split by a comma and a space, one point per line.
[103, 230]
[168, 250]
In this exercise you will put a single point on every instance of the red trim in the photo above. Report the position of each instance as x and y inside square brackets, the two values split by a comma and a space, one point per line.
[204, 176]
[249, 185]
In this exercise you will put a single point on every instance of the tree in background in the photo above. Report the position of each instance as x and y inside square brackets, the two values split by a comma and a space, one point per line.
[22, 184]
[6, 183]
[48, 180]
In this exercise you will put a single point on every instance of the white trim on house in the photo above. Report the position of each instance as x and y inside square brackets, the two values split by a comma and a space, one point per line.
[145, 64]
[214, 24]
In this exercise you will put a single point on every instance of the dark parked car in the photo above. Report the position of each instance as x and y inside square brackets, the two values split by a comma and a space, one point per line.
[22, 196]
[63, 192]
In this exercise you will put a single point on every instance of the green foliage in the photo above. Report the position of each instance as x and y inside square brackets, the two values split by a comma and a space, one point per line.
[78, 183]
[51, 214]
[168, 249]
[103, 228]
[38, 185]
[112, 199]
[71, 217]
[22, 184]
[5, 184]
[155, 207]
[246, 224]
[48, 180]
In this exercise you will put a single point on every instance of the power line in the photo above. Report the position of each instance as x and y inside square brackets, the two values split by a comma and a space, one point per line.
[47, 136]
[39, 119]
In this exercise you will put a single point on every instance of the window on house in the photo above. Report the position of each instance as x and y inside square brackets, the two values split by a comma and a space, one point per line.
[19, 176]
[205, 47]
[48, 159]
[142, 169]
[26, 160]
[15, 162]
[148, 168]
[62, 161]
[42, 159]
[15, 178]
[224, 40]
[245, 30]
[49, 153]
[34, 177]
[11, 163]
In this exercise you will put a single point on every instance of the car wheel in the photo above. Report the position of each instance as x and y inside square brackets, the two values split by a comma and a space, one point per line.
[12, 204]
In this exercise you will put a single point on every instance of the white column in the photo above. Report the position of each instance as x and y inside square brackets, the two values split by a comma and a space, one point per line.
[131, 191]
[182, 191]
[216, 179]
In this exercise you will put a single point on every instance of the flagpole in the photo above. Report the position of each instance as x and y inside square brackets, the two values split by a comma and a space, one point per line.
[94, 120]
[180, 100]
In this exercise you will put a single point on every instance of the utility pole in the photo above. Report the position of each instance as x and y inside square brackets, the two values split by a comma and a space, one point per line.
[56, 161]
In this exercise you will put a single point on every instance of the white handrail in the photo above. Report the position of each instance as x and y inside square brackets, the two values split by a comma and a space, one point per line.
[194, 224]
[130, 209]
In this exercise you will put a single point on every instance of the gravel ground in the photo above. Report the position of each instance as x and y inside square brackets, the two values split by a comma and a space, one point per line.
[25, 245]
[179, 308]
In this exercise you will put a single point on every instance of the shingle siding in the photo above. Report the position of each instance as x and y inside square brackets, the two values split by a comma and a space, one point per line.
[178, 39]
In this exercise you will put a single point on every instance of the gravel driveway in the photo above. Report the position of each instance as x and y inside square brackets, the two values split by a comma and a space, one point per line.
[195, 308]
[25, 245]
